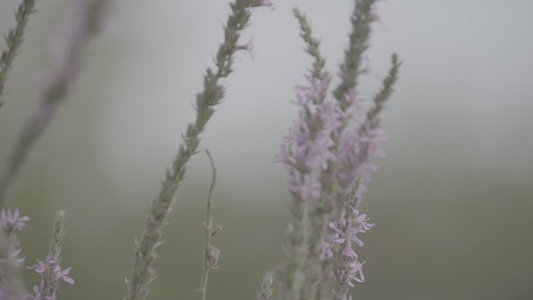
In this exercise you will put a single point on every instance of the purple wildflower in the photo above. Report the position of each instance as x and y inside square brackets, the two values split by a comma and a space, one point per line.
[374, 138]
[312, 92]
[62, 274]
[309, 139]
[45, 265]
[339, 248]
[12, 222]
[353, 112]
[248, 47]
[51, 274]
[308, 148]
[266, 3]
[326, 151]
[14, 259]
[328, 146]
[331, 116]
[305, 186]
[359, 140]
[326, 133]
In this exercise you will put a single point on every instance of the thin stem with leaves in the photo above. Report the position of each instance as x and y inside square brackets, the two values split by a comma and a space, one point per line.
[211, 254]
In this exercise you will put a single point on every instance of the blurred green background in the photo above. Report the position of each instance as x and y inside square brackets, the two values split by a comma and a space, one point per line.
[452, 201]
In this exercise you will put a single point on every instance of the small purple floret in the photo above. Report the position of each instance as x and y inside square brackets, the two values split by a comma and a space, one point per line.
[11, 221]
[338, 250]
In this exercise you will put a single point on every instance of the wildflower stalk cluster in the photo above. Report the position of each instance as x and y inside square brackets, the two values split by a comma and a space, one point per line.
[142, 272]
[14, 39]
[339, 249]
[306, 132]
[49, 269]
[12, 223]
[11, 284]
[326, 152]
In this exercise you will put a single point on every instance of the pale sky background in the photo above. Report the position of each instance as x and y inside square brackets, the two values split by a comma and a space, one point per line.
[452, 200]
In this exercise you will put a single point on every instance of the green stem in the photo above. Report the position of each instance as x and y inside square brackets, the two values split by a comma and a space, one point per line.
[209, 233]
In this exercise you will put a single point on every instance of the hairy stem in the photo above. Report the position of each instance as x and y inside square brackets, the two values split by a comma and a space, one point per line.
[361, 20]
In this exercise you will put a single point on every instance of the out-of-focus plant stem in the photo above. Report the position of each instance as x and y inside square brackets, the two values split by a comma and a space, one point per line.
[14, 39]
